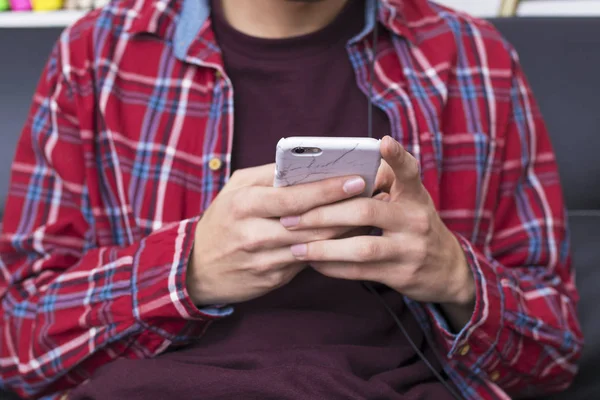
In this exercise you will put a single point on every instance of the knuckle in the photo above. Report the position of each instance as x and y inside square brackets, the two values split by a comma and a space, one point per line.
[245, 241]
[366, 212]
[241, 233]
[409, 275]
[411, 166]
[321, 232]
[315, 251]
[240, 206]
[287, 203]
[237, 177]
[332, 191]
[288, 273]
[315, 217]
[421, 221]
[419, 252]
[252, 242]
[241, 177]
[237, 210]
[414, 172]
[318, 234]
[368, 251]
[265, 270]
[275, 278]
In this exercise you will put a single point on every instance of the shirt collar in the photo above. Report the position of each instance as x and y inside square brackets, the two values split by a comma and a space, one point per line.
[390, 16]
[154, 17]
[192, 24]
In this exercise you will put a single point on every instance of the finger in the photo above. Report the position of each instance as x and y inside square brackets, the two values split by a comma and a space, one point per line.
[351, 271]
[279, 277]
[259, 234]
[290, 271]
[375, 212]
[255, 176]
[405, 166]
[269, 260]
[298, 199]
[359, 249]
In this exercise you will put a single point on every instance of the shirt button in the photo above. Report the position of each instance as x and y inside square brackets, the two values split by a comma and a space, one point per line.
[494, 376]
[464, 350]
[215, 164]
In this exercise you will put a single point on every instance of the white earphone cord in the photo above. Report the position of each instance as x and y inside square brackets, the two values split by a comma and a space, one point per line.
[370, 287]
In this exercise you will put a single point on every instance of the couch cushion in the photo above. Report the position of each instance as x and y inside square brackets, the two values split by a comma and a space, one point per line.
[561, 57]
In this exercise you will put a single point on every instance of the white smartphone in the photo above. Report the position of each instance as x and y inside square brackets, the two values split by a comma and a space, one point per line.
[308, 159]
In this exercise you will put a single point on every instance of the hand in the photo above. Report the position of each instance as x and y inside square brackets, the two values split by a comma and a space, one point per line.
[416, 255]
[241, 251]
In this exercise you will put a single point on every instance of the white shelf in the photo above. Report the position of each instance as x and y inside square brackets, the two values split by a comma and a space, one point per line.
[545, 8]
[560, 8]
[48, 19]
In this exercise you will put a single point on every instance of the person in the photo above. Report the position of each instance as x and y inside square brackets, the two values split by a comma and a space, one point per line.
[145, 253]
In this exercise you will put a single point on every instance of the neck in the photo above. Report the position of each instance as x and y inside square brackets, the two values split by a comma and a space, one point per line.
[278, 19]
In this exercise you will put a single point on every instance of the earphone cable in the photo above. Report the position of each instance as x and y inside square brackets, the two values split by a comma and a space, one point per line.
[414, 346]
[370, 287]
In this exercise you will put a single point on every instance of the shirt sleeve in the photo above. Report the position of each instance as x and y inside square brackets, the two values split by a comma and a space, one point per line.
[68, 304]
[524, 334]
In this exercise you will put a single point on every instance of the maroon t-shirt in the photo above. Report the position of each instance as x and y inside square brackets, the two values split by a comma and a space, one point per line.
[303, 86]
[317, 337]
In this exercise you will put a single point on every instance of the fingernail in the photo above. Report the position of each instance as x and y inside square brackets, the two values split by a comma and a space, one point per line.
[395, 145]
[354, 186]
[299, 250]
[386, 198]
[288, 222]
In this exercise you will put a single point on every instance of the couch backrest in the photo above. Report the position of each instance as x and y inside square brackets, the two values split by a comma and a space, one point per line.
[19, 74]
[561, 57]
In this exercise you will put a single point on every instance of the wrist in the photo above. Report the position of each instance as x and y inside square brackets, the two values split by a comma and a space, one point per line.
[463, 293]
[191, 281]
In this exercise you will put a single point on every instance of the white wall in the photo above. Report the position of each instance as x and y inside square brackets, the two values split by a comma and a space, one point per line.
[489, 8]
[476, 7]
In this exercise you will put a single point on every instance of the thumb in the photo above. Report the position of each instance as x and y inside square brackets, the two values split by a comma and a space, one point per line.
[385, 177]
[404, 166]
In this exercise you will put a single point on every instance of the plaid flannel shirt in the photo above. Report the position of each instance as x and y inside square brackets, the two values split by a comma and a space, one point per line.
[129, 140]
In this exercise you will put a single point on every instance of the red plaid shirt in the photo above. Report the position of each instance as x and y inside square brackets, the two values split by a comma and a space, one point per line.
[129, 140]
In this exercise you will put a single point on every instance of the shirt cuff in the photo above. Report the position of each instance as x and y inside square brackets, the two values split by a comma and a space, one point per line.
[161, 301]
[476, 345]
[217, 310]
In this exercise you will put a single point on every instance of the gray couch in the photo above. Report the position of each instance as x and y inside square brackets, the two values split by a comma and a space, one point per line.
[562, 60]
